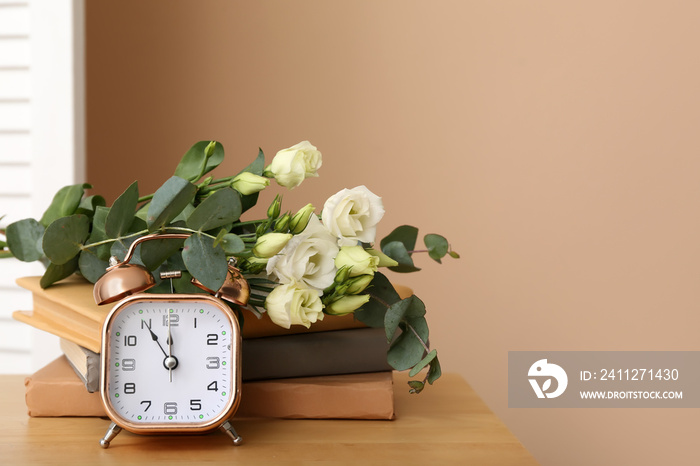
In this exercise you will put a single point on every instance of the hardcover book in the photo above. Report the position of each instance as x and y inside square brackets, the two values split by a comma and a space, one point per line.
[55, 390]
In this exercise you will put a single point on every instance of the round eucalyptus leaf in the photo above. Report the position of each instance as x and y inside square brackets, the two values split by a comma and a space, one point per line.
[89, 205]
[405, 234]
[406, 350]
[221, 208]
[64, 238]
[232, 244]
[406, 309]
[168, 201]
[155, 251]
[382, 294]
[121, 214]
[64, 203]
[91, 266]
[24, 239]
[397, 251]
[437, 246]
[56, 272]
[423, 362]
[205, 262]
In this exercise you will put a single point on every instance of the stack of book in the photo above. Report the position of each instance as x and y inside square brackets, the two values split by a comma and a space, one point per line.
[337, 369]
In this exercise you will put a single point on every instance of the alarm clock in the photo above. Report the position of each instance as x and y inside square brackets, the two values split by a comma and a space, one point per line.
[170, 363]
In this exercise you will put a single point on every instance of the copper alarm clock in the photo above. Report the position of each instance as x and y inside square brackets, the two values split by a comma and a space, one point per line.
[170, 363]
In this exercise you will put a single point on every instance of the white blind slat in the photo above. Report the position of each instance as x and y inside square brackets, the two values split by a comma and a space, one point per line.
[15, 147]
[15, 84]
[15, 53]
[15, 116]
[15, 20]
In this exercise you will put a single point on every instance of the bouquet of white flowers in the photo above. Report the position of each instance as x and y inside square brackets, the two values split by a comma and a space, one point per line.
[301, 267]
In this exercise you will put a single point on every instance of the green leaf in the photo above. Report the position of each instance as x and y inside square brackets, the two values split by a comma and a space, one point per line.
[257, 166]
[64, 238]
[416, 386]
[98, 233]
[423, 362]
[155, 251]
[232, 244]
[437, 246]
[195, 163]
[24, 239]
[184, 284]
[405, 234]
[182, 216]
[407, 309]
[435, 371]
[119, 249]
[221, 208]
[205, 262]
[121, 214]
[382, 295]
[91, 266]
[64, 203]
[168, 201]
[89, 205]
[56, 272]
[406, 350]
[397, 251]
[142, 213]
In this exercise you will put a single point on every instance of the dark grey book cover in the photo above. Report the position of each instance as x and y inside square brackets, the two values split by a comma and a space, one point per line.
[322, 353]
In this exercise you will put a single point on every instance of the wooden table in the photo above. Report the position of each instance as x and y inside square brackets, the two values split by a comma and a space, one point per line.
[446, 424]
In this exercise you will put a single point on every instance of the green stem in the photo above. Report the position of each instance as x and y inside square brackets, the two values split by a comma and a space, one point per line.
[427, 350]
[147, 197]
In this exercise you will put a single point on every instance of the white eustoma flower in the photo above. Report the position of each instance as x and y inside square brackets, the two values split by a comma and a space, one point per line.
[307, 258]
[352, 215]
[294, 304]
[293, 165]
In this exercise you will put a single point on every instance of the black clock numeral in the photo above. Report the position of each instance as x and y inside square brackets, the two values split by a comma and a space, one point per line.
[195, 322]
[170, 407]
[213, 386]
[149, 405]
[129, 388]
[146, 325]
[195, 405]
[212, 338]
[128, 364]
[130, 340]
[174, 320]
[213, 362]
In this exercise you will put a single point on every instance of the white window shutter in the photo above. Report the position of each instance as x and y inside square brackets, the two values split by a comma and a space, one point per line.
[41, 145]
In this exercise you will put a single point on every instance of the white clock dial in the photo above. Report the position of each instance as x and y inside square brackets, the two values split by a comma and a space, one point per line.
[170, 363]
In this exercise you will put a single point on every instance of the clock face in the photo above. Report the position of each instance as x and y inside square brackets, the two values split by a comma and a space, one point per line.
[170, 364]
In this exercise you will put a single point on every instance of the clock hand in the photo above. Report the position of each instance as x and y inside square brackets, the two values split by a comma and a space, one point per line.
[155, 338]
[170, 352]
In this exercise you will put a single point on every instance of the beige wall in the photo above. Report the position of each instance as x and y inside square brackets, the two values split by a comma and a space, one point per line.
[553, 142]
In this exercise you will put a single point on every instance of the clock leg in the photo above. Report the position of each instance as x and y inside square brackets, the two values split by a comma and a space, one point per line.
[112, 432]
[231, 432]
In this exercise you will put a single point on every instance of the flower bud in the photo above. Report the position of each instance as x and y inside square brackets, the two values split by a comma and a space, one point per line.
[342, 275]
[207, 181]
[358, 284]
[301, 219]
[254, 265]
[282, 224]
[346, 304]
[291, 166]
[270, 244]
[248, 183]
[359, 261]
[209, 150]
[275, 208]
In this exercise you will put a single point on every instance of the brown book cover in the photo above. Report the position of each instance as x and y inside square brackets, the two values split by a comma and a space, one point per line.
[56, 390]
[67, 309]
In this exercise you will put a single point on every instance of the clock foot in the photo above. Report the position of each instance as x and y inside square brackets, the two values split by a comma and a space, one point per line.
[231, 432]
[112, 432]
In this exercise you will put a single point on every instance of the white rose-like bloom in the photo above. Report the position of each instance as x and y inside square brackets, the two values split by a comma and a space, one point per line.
[352, 215]
[294, 304]
[293, 165]
[307, 258]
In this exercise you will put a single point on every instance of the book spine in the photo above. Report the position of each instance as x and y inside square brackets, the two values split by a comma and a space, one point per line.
[323, 353]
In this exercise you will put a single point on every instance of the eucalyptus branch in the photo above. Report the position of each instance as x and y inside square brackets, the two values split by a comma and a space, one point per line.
[427, 350]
